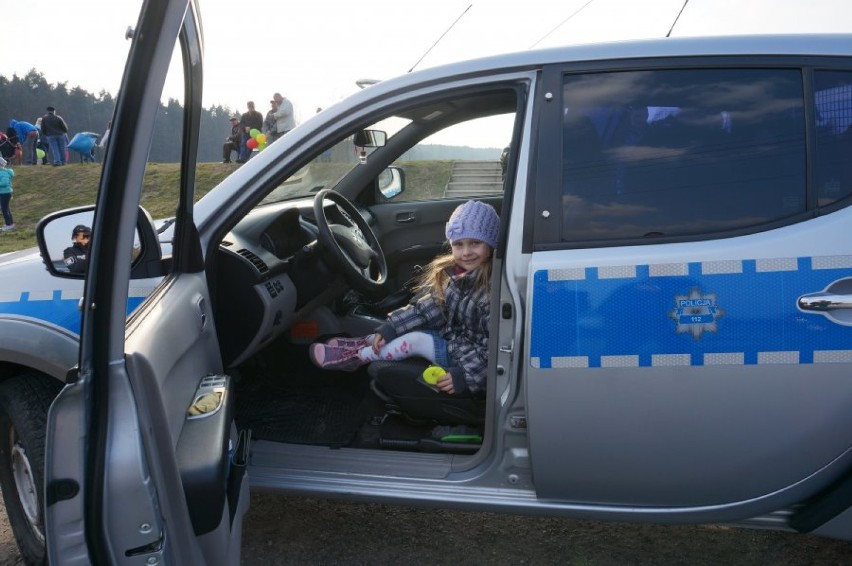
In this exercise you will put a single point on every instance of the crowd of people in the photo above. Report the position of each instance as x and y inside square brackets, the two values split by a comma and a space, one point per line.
[251, 131]
[46, 140]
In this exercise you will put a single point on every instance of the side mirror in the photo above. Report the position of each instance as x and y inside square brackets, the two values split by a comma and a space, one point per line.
[54, 235]
[391, 182]
[370, 138]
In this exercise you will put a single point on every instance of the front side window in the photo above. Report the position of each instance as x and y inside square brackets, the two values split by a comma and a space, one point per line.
[668, 153]
[448, 148]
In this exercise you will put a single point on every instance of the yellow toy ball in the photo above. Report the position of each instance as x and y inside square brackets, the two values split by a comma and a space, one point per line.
[432, 373]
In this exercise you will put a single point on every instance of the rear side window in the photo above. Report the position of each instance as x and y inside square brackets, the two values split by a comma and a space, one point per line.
[833, 101]
[666, 153]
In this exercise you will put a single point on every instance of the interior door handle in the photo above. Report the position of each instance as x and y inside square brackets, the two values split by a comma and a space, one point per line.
[405, 217]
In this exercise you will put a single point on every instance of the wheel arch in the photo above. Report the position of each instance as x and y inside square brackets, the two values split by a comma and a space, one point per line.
[28, 344]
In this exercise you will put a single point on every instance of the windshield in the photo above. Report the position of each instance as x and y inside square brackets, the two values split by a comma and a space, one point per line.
[329, 167]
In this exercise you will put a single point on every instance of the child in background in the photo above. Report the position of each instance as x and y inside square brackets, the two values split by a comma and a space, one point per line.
[6, 195]
[447, 322]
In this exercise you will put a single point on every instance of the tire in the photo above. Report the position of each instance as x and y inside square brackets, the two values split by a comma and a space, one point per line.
[24, 401]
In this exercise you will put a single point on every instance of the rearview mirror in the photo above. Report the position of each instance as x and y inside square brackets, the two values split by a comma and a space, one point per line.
[370, 138]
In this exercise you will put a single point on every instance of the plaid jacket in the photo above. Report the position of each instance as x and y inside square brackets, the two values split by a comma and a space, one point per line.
[462, 320]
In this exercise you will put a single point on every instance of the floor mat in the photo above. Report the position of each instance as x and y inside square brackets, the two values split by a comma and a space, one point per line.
[303, 407]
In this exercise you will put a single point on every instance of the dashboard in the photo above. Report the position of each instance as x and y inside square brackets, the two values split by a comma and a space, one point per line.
[263, 271]
[267, 270]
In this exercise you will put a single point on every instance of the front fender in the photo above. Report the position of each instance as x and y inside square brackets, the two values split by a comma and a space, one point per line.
[38, 344]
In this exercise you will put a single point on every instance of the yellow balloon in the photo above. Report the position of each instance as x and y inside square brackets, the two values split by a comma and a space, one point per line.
[261, 138]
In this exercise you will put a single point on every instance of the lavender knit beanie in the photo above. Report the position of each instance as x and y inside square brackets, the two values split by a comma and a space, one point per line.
[475, 220]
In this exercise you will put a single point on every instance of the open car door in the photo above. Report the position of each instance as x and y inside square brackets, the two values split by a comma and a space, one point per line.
[141, 444]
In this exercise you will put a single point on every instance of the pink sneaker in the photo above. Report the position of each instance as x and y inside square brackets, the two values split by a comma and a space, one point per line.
[343, 342]
[334, 358]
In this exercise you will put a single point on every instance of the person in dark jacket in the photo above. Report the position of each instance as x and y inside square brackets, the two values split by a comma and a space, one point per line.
[77, 254]
[251, 120]
[54, 127]
[234, 141]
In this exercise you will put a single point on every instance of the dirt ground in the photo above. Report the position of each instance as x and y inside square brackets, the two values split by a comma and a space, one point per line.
[295, 530]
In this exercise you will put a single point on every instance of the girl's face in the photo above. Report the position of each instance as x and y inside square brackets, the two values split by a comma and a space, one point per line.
[470, 254]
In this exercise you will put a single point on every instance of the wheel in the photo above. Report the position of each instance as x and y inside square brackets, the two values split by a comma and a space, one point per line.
[24, 401]
[353, 246]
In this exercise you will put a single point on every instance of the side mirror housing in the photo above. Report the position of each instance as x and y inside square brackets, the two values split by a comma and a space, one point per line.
[54, 235]
[391, 182]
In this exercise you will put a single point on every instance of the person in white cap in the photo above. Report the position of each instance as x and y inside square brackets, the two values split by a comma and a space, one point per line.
[447, 322]
[6, 176]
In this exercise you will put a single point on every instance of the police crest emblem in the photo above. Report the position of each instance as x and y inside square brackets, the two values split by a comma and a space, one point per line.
[696, 313]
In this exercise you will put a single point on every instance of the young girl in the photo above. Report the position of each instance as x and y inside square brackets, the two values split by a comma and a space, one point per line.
[6, 195]
[447, 322]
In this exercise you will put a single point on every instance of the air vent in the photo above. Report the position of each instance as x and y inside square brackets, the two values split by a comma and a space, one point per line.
[256, 261]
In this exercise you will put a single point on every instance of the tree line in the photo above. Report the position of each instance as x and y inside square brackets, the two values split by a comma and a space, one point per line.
[25, 98]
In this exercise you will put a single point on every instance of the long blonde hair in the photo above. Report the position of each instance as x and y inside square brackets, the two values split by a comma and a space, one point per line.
[436, 276]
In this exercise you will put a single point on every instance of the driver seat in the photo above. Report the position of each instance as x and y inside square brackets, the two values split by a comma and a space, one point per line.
[401, 382]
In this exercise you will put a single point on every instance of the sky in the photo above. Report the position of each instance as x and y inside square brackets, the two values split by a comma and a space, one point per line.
[313, 51]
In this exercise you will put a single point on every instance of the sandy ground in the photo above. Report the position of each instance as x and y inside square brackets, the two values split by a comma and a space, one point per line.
[296, 530]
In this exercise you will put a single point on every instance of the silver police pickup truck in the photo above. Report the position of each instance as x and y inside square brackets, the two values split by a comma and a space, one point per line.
[669, 337]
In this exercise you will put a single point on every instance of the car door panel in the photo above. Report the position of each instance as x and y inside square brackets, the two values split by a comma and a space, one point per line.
[154, 477]
[687, 372]
[173, 344]
[174, 364]
[676, 375]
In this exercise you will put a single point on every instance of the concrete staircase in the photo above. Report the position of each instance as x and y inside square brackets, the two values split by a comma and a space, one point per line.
[474, 178]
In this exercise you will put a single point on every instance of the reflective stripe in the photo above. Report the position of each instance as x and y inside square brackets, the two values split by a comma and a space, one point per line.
[57, 307]
[729, 312]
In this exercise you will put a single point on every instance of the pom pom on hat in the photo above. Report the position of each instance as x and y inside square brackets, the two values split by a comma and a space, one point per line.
[475, 220]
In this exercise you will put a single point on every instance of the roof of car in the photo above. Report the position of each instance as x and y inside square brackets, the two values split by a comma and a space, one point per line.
[531, 60]
[756, 45]
[730, 45]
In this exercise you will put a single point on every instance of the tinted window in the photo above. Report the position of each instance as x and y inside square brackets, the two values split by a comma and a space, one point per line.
[680, 152]
[833, 100]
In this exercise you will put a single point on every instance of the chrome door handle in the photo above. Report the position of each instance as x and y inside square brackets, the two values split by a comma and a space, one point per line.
[821, 302]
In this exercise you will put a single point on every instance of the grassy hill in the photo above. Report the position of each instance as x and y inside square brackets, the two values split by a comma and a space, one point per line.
[40, 190]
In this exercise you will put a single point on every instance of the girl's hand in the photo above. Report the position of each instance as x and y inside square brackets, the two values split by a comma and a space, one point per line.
[378, 342]
[445, 384]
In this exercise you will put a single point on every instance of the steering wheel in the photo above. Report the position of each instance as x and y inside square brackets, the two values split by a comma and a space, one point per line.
[353, 246]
